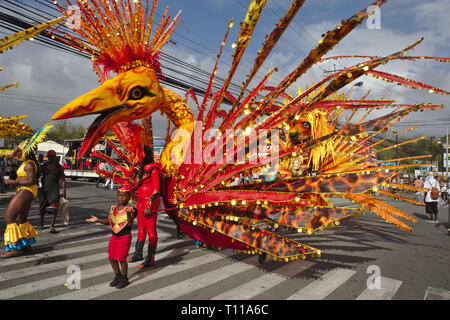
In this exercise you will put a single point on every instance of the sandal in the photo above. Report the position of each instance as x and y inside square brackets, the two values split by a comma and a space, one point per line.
[10, 254]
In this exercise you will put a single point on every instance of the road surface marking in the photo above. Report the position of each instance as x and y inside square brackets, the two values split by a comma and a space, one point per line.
[388, 289]
[263, 283]
[104, 288]
[195, 283]
[436, 294]
[319, 289]
[252, 288]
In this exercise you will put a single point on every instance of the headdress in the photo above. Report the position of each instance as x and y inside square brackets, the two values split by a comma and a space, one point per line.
[28, 145]
[118, 34]
[125, 188]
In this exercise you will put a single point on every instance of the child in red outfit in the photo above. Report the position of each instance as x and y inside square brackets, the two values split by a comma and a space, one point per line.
[120, 219]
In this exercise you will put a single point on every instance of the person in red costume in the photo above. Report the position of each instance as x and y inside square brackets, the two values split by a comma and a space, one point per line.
[148, 198]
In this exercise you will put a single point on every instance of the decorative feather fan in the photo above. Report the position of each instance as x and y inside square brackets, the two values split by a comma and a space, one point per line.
[29, 144]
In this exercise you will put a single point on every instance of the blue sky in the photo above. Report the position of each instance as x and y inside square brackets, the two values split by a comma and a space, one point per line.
[46, 75]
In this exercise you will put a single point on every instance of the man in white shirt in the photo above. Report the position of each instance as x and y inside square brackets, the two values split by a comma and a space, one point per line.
[431, 205]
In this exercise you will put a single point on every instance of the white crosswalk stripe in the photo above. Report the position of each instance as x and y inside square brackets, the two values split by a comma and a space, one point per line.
[52, 253]
[252, 288]
[319, 289]
[386, 291]
[261, 284]
[184, 287]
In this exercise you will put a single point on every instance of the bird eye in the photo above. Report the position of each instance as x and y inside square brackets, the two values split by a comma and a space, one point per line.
[306, 124]
[136, 93]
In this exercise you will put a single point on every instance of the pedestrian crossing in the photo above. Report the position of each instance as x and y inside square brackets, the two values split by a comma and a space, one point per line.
[182, 271]
[321, 288]
[386, 291]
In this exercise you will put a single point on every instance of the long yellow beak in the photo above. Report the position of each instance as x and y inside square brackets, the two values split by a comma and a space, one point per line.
[128, 96]
[98, 100]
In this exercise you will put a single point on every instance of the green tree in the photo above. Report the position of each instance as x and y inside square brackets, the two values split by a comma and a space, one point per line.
[65, 130]
[422, 147]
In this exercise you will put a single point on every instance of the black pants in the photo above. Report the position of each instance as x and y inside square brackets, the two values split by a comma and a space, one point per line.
[431, 207]
[47, 197]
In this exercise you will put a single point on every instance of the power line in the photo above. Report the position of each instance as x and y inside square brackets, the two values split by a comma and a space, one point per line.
[30, 100]
[213, 51]
[169, 80]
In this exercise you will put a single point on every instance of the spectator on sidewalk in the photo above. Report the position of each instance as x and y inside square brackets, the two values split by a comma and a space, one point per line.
[11, 165]
[419, 195]
[109, 181]
[53, 180]
[100, 179]
[419, 182]
[431, 201]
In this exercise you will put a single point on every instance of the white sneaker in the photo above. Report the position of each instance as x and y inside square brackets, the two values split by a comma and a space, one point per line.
[436, 221]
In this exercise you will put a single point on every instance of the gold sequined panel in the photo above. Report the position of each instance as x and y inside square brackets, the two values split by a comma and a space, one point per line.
[117, 219]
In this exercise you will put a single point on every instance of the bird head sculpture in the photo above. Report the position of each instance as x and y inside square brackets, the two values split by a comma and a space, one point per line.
[131, 95]
[118, 36]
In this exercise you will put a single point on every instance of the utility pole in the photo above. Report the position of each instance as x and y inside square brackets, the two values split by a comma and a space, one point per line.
[446, 155]
[396, 147]
[446, 182]
[431, 152]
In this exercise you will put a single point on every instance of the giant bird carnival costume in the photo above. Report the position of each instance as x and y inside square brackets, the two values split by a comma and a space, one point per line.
[333, 160]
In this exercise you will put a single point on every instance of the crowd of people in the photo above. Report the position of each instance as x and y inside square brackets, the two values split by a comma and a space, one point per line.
[8, 168]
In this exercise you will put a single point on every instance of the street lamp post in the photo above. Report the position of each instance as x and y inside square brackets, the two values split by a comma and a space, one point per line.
[431, 153]
[396, 147]
[437, 161]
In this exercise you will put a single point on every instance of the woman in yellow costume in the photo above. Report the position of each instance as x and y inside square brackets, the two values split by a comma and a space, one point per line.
[19, 233]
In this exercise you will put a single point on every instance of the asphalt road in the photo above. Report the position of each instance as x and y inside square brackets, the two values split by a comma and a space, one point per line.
[72, 264]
